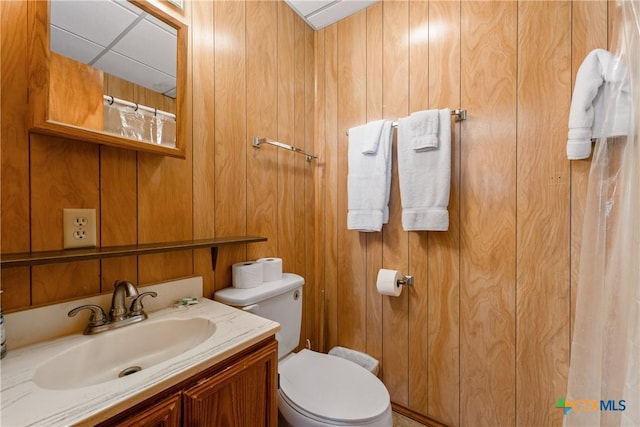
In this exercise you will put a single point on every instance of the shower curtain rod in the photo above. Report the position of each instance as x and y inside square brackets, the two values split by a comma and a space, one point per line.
[110, 99]
[258, 141]
[460, 116]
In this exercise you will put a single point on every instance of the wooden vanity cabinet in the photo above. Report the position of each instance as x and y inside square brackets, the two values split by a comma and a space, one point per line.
[240, 391]
[166, 413]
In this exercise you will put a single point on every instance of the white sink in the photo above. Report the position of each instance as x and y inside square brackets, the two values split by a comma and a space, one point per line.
[122, 352]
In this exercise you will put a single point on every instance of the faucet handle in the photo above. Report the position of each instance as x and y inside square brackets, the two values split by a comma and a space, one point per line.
[97, 317]
[136, 305]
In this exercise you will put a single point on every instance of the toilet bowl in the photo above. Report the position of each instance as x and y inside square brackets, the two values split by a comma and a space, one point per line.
[316, 389]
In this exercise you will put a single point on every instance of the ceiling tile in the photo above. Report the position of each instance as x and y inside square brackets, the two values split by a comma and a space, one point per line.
[75, 47]
[128, 69]
[319, 14]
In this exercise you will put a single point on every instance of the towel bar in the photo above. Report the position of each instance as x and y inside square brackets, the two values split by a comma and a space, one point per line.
[258, 141]
[460, 115]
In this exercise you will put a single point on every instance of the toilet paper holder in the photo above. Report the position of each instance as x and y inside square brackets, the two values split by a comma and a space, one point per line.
[405, 281]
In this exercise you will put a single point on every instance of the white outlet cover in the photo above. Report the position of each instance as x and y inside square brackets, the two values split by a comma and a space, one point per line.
[71, 230]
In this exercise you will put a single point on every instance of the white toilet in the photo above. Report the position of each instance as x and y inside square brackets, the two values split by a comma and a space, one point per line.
[316, 389]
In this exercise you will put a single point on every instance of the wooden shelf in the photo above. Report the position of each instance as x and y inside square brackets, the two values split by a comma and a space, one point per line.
[73, 255]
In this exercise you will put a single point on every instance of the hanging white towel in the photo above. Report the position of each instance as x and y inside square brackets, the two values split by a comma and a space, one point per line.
[601, 82]
[425, 178]
[369, 177]
[424, 129]
[368, 136]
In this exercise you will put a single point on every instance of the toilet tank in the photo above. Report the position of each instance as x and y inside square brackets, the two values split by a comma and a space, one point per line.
[279, 300]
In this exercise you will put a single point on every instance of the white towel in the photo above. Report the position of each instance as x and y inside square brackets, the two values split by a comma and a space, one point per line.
[601, 82]
[424, 129]
[368, 136]
[368, 179]
[425, 178]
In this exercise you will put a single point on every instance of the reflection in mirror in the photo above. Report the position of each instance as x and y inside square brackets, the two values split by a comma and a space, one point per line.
[137, 54]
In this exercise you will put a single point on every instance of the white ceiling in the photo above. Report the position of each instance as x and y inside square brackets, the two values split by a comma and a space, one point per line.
[318, 13]
[118, 38]
[124, 41]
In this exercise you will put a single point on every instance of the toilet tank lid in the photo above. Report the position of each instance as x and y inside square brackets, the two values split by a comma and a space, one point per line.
[242, 297]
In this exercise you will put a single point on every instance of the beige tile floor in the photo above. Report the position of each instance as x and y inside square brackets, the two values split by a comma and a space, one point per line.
[402, 421]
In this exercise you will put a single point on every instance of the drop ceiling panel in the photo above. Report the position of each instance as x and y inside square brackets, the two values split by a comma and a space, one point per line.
[69, 44]
[72, 17]
[151, 45]
[304, 8]
[319, 14]
[117, 37]
[128, 69]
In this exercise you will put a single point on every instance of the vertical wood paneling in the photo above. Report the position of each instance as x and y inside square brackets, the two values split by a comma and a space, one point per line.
[285, 123]
[262, 121]
[487, 214]
[444, 248]
[351, 112]
[297, 215]
[374, 240]
[118, 213]
[418, 322]
[331, 204]
[320, 185]
[544, 94]
[55, 167]
[589, 31]
[308, 212]
[314, 288]
[230, 133]
[286, 132]
[202, 43]
[395, 96]
[14, 150]
[164, 214]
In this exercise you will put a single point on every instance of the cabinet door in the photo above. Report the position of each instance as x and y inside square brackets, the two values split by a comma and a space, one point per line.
[165, 413]
[242, 394]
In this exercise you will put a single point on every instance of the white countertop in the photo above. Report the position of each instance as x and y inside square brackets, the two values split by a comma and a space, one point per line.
[24, 403]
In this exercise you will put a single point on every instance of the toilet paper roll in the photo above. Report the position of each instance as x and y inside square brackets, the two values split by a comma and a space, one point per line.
[247, 274]
[387, 282]
[272, 269]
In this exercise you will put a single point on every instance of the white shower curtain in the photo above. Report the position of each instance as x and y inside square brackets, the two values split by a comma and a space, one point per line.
[605, 352]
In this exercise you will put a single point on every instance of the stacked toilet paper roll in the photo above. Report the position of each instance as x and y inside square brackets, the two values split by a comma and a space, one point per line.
[387, 282]
[247, 274]
[272, 268]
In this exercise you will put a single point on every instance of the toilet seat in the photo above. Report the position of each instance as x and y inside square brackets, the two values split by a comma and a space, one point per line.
[330, 389]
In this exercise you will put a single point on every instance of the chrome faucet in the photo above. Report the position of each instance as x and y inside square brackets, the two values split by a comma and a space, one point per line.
[119, 315]
[121, 289]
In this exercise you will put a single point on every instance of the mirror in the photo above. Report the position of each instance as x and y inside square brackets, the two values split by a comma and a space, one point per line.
[93, 78]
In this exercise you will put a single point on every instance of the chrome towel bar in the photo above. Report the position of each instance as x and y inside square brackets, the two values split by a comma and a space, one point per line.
[259, 141]
[460, 115]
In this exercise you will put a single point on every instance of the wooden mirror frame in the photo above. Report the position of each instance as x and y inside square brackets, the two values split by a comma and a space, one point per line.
[40, 82]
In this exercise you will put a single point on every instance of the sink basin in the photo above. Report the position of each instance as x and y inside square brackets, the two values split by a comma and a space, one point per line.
[122, 352]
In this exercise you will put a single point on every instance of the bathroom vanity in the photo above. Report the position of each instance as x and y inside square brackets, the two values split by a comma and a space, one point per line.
[202, 364]
[241, 391]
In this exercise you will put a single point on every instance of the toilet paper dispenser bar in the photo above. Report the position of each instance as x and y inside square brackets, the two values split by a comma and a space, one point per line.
[405, 281]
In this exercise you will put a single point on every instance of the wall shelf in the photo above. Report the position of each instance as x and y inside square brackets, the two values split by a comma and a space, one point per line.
[73, 255]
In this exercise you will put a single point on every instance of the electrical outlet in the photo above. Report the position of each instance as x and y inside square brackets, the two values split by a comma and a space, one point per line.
[79, 228]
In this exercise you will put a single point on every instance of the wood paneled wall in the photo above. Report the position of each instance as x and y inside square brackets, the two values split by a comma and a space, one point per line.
[250, 73]
[483, 337]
